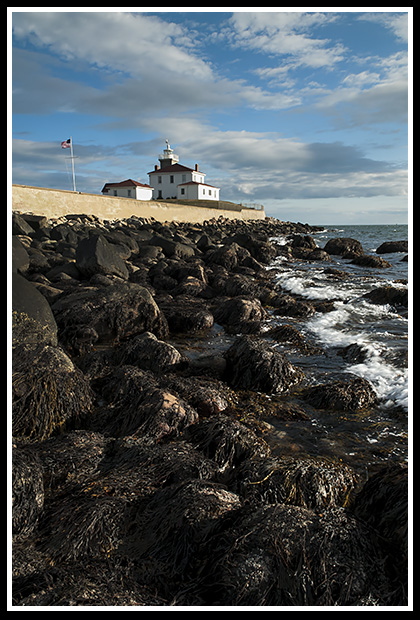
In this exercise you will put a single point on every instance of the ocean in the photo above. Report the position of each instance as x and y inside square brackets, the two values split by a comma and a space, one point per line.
[381, 333]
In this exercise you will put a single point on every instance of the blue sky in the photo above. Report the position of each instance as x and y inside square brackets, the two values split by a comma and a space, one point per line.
[306, 112]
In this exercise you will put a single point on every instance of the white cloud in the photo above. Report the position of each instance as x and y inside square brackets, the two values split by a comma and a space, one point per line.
[125, 42]
[287, 34]
[397, 23]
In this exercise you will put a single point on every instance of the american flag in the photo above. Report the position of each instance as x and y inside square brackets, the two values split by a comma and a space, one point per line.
[66, 144]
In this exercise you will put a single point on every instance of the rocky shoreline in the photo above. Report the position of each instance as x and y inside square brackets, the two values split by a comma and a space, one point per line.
[142, 470]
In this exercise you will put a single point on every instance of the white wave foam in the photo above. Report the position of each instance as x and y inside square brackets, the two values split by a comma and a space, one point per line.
[312, 288]
[339, 329]
[391, 384]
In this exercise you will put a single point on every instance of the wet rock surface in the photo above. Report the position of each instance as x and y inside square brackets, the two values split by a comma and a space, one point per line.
[146, 374]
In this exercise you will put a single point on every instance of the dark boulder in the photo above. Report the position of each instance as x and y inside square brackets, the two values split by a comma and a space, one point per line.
[262, 250]
[20, 226]
[303, 241]
[64, 232]
[20, 257]
[96, 255]
[33, 320]
[148, 353]
[389, 247]
[228, 256]
[318, 254]
[114, 312]
[395, 296]
[237, 313]
[286, 305]
[344, 246]
[172, 248]
[251, 364]
[369, 260]
[186, 314]
[38, 223]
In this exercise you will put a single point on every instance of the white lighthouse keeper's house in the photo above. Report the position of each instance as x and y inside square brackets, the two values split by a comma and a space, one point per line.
[173, 180]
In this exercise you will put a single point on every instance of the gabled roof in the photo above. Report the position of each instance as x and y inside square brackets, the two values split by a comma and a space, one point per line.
[175, 168]
[126, 183]
[195, 183]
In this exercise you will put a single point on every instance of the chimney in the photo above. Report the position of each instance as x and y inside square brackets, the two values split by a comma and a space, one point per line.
[156, 167]
[196, 167]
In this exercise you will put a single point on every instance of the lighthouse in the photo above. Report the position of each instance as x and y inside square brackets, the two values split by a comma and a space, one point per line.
[168, 157]
[172, 180]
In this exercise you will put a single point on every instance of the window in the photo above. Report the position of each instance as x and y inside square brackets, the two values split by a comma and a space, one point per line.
[184, 178]
[159, 179]
[182, 191]
[129, 193]
[171, 179]
[115, 192]
[209, 192]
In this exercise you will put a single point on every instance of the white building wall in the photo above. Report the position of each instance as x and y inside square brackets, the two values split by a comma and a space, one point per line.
[188, 192]
[167, 183]
[135, 192]
[198, 192]
[144, 193]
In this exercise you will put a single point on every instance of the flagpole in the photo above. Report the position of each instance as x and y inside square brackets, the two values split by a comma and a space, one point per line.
[72, 163]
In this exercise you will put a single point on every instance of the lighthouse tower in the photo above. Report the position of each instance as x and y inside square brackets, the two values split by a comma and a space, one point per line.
[168, 157]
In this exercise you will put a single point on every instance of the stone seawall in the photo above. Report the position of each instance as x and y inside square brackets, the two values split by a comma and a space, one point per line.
[54, 203]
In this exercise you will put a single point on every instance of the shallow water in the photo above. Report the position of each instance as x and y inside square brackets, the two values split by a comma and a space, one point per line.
[381, 331]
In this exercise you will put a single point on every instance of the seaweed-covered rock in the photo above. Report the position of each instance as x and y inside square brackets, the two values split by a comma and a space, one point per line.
[291, 335]
[170, 531]
[342, 395]
[108, 582]
[137, 406]
[279, 555]
[382, 503]
[136, 467]
[27, 491]
[226, 441]
[69, 458]
[207, 396]
[312, 483]
[252, 365]
[82, 525]
[48, 392]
